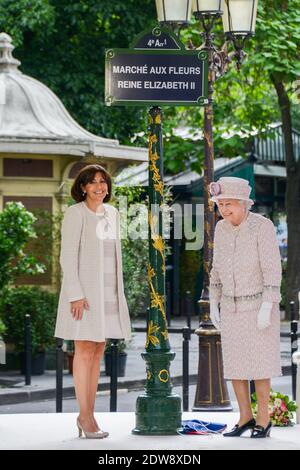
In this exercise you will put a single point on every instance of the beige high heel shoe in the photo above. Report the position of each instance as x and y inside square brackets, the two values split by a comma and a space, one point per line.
[91, 435]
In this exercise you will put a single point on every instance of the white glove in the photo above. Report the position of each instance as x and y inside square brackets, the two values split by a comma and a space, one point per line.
[215, 314]
[264, 315]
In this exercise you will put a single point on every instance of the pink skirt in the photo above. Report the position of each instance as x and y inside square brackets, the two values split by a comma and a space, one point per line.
[250, 353]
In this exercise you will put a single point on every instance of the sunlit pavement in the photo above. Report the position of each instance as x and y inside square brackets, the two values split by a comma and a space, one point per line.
[59, 431]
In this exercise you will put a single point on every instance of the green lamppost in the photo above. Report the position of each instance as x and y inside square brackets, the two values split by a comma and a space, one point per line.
[158, 410]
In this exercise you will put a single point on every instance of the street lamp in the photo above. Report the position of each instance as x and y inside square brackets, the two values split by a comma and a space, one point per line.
[239, 17]
[207, 7]
[174, 11]
[239, 21]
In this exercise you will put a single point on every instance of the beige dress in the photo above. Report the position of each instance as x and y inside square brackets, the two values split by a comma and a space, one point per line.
[111, 304]
[246, 271]
[92, 269]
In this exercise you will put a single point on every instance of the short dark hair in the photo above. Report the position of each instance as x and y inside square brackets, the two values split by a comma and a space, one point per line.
[85, 176]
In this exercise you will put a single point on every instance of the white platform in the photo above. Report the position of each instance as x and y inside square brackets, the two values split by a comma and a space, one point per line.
[58, 431]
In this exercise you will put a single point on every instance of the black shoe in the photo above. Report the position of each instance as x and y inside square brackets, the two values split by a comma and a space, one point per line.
[260, 431]
[237, 430]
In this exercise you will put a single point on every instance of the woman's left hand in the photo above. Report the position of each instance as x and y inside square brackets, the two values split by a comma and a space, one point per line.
[264, 315]
[77, 308]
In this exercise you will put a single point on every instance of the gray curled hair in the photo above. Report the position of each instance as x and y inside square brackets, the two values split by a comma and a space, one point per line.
[246, 204]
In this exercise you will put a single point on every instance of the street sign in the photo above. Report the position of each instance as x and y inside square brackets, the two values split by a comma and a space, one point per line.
[156, 70]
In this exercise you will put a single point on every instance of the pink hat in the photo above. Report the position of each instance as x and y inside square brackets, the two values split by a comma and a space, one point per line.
[229, 187]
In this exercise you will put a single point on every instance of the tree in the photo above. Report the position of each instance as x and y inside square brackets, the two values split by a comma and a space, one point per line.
[16, 228]
[62, 44]
[263, 92]
[277, 50]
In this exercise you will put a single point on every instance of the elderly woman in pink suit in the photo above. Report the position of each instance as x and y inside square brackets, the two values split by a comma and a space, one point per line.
[245, 281]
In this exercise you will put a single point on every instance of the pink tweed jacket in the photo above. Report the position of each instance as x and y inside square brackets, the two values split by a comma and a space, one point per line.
[246, 268]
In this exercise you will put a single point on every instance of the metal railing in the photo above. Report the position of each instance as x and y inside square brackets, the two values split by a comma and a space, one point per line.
[271, 148]
[28, 352]
[186, 333]
[294, 335]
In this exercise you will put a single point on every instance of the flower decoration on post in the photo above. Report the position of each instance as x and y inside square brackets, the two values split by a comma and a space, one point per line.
[281, 409]
[215, 189]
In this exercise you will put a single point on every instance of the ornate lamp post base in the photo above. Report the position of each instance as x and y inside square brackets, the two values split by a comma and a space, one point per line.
[157, 415]
[211, 393]
[158, 410]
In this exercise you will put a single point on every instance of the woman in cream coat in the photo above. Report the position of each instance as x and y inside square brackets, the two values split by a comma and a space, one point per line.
[92, 305]
[245, 279]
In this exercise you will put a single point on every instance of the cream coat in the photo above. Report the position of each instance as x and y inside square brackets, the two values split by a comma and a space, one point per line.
[82, 265]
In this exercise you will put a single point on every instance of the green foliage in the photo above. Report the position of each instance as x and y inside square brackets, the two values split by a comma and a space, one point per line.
[133, 194]
[70, 347]
[46, 244]
[190, 263]
[135, 252]
[135, 259]
[274, 50]
[2, 328]
[16, 228]
[179, 151]
[245, 102]
[283, 301]
[23, 18]
[15, 303]
[62, 44]
[122, 345]
[277, 39]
